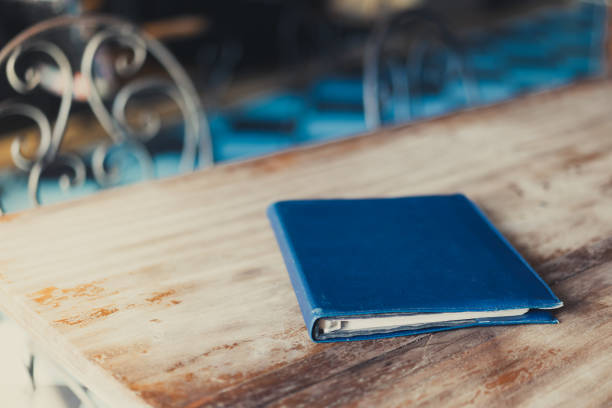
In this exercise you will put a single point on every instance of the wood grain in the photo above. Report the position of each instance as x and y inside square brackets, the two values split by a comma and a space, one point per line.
[173, 293]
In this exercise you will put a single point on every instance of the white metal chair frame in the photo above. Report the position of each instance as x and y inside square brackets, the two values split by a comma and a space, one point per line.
[110, 112]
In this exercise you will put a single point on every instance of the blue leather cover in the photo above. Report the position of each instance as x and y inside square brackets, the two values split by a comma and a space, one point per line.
[404, 255]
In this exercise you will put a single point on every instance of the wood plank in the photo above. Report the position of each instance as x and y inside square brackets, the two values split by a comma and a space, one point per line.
[173, 293]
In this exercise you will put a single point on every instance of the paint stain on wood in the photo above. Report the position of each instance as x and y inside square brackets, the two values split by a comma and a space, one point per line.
[87, 289]
[46, 297]
[91, 316]
[102, 356]
[103, 312]
[159, 296]
[53, 296]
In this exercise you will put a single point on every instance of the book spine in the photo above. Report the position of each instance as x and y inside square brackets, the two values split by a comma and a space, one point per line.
[296, 275]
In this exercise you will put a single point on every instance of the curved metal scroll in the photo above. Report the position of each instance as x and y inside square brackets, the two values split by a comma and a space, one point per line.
[377, 65]
[123, 137]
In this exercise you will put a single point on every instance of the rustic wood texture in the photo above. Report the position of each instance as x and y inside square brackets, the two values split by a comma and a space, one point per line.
[173, 293]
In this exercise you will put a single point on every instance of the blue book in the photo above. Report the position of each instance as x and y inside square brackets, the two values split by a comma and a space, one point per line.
[373, 268]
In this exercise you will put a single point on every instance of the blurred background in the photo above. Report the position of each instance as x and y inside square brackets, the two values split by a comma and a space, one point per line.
[268, 75]
[100, 93]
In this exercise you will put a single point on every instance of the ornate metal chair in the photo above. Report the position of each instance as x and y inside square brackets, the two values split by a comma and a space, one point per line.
[109, 67]
[395, 62]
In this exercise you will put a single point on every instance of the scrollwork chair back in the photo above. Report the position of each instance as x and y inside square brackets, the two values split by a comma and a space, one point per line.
[77, 77]
[388, 76]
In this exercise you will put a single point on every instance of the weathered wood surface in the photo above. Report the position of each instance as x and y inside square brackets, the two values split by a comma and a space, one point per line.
[173, 293]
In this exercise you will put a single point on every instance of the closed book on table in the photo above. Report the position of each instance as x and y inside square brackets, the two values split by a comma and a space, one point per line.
[372, 268]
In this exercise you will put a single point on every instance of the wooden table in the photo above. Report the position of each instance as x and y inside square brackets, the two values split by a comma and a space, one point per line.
[174, 294]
